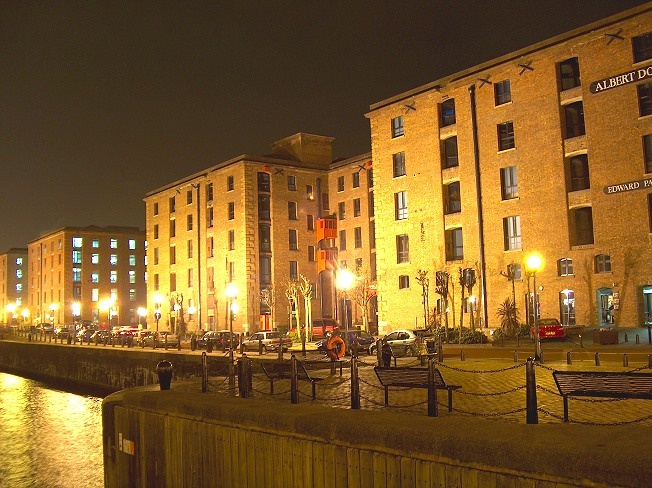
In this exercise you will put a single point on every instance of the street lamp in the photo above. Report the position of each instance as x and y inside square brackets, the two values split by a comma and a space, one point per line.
[232, 294]
[76, 310]
[25, 315]
[11, 308]
[534, 264]
[142, 314]
[158, 299]
[344, 282]
[106, 304]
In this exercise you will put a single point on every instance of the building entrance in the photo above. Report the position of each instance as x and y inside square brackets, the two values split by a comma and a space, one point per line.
[605, 307]
[567, 307]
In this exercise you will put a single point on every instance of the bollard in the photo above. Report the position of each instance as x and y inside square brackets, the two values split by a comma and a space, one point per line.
[432, 390]
[541, 358]
[193, 342]
[209, 346]
[355, 385]
[231, 372]
[166, 342]
[597, 359]
[178, 343]
[569, 359]
[462, 355]
[626, 339]
[625, 360]
[649, 361]
[532, 413]
[29, 337]
[638, 339]
[164, 372]
[244, 376]
[581, 343]
[260, 347]
[294, 381]
[204, 373]
[516, 356]
[440, 351]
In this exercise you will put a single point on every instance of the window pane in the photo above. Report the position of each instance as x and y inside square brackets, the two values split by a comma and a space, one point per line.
[450, 152]
[642, 46]
[509, 183]
[645, 99]
[502, 92]
[574, 113]
[569, 72]
[448, 112]
[579, 172]
[397, 126]
[505, 136]
[452, 202]
[399, 164]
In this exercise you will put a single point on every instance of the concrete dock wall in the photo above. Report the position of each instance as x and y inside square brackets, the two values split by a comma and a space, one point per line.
[181, 438]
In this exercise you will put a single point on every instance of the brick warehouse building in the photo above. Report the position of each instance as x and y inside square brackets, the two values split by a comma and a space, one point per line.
[257, 222]
[547, 149]
[87, 273]
[13, 286]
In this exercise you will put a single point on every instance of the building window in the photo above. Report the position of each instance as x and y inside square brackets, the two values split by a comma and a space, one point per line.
[311, 254]
[565, 267]
[449, 148]
[402, 248]
[76, 257]
[506, 136]
[95, 277]
[131, 244]
[403, 282]
[231, 272]
[645, 99]
[95, 258]
[189, 222]
[454, 244]
[155, 231]
[157, 282]
[579, 172]
[399, 164]
[649, 209]
[132, 276]
[173, 228]
[512, 232]
[310, 222]
[647, 152]
[209, 217]
[210, 246]
[515, 271]
[132, 260]
[574, 116]
[448, 112]
[356, 207]
[342, 240]
[264, 182]
[324, 201]
[603, 263]
[292, 210]
[358, 237]
[189, 277]
[569, 74]
[132, 294]
[372, 234]
[230, 185]
[231, 211]
[76, 275]
[356, 180]
[263, 207]
[173, 204]
[397, 126]
[508, 183]
[156, 255]
[310, 192]
[188, 197]
[642, 47]
[502, 92]
[265, 237]
[265, 270]
[581, 224]
[113, 277]
[231, 243]
[113, 259]
[173, 255]
[96, 243]
[173, 282]
[340, 183]
[292, 183]
[294, 270]
[190, 248]
[293, 240]
[209, 192]
[77, 242]
[155, 208]
[341, 210]
[400, 205]
[452, 199]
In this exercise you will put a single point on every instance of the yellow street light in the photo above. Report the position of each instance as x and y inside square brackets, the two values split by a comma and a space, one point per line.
[534, 264]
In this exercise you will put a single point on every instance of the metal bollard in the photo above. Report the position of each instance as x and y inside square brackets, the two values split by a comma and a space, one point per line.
[355, 385]
[204, 373]
[649, 361]
[516, 356]
[231, 372]
[462, 355]
[597, 359]
[625, 360]
[532, 413]
[164, 372]
[569, 359]
[294, 381]
[626, 339]
[260, 347]
[638, 339]
[541, 358]
[432, 390]
[581, 343]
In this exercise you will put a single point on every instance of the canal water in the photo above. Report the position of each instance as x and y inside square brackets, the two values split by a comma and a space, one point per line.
[49, 438]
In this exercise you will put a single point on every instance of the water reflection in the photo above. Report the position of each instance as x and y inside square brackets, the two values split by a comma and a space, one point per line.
[48, 438]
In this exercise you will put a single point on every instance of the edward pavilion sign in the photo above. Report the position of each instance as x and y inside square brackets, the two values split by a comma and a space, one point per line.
[632, 185]
[622, 79]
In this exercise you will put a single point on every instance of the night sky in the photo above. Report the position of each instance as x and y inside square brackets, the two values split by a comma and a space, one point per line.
[103, 101]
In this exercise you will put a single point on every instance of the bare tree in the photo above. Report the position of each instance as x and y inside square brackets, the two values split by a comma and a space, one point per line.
[362, 293]
[305, 288]
[177, 299]
[292, 295]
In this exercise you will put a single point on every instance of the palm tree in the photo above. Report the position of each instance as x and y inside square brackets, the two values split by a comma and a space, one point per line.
[508, 315]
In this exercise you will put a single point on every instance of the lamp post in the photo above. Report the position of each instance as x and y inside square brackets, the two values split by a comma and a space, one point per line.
[158, 299]
[344, 282]
[106, 304]
[142, 314]
[232, 294]
[533, 264]
[11, 308]
[76, 311]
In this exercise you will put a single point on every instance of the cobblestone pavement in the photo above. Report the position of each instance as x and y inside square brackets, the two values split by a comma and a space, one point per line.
[493, 389]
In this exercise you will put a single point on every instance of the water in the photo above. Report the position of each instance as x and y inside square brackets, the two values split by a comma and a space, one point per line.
[49, 438]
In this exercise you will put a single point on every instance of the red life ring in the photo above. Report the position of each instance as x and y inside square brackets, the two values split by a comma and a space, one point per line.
[335, 348]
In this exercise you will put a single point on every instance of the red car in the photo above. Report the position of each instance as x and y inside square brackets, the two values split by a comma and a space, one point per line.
[548, 329]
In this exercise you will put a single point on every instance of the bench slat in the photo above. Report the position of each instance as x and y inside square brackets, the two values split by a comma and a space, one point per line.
[604, 384]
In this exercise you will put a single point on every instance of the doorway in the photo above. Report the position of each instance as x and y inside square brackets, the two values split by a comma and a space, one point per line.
[605, 307]
[567, 307]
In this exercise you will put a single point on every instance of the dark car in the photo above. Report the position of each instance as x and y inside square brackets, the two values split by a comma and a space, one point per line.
[548, 329]
[362, 340]
[161, 338]
[219, 339]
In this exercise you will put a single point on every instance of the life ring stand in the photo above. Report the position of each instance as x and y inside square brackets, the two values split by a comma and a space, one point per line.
[335, 348]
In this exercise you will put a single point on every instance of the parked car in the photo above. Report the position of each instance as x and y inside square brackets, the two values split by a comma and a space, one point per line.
[46, 328]
[320, 328]
[139, 338]
[101, 336]
[406, 342]
[63, 331]
[219, 339]
[270, 341]
[84, 335]
[548, 329]
[361, 339]
[160, 338]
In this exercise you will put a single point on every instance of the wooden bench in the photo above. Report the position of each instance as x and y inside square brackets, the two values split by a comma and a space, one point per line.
[602, 384]
[283, 371]
[412, 378]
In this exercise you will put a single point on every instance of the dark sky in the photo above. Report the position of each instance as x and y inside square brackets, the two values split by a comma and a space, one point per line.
[103, 101]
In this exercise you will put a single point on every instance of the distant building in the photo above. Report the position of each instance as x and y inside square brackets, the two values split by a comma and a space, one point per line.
[547, 149]
[88, 273]
[257, 222]
[13, 286]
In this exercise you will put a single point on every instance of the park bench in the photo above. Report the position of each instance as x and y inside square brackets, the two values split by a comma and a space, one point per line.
[602, 384]
[283, 371]
[412, 378]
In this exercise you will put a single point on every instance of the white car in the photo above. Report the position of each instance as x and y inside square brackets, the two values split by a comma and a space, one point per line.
[268, 339]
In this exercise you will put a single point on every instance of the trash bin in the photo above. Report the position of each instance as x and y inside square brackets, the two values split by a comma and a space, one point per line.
[386, 355]
[164, 372]
[209, 345]
[193, 342]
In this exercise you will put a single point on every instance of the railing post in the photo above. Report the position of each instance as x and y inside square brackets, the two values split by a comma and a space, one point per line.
[597, 359]
[231, 370]
[355, 385]
[569, 359]
[379, 352]
[649, 361]
[204, 373]
[462, 355]
[638, 339]
[625, 360]
[532, 414]
[294, 381]
[432, 391]
[516, 356]
[243, 379]
[440, 351]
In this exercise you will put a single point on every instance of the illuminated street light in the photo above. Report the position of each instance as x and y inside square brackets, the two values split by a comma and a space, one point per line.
[76, 310]
[534, 264]
[106, 304]
[142, 313]
[11, 309]
[25, 315]
[344, 282]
